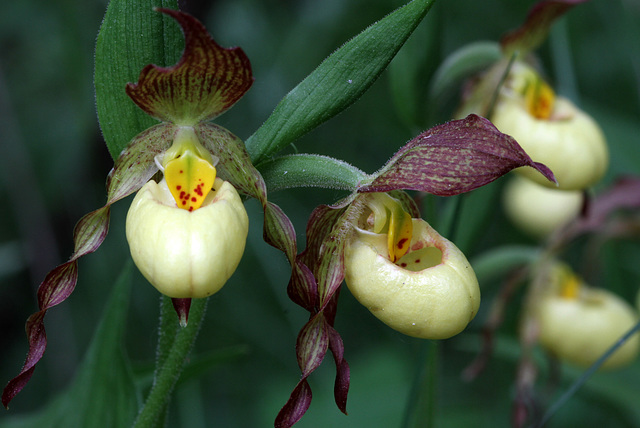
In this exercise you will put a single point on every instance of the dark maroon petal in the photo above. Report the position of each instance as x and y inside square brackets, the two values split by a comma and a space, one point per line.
[296, 406]
[535, 29]
[132, 169]
[206, 81]
[330, 272]
[624, 194]
[279, 231]
[453, 158]
[341, 385]
[56, 288]
[182, 307]
[598, 216]
[302, 288]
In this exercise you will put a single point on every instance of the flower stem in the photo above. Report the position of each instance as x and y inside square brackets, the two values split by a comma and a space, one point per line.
[172, 355]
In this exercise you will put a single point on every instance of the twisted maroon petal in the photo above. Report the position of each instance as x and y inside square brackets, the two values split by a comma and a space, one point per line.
[133, 168]
[56, 287]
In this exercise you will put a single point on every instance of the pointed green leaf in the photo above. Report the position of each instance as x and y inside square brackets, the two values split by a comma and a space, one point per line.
[104, 392]
[338, 82]
[132, 35]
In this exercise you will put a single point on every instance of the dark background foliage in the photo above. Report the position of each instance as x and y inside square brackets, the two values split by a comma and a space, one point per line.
[53, 166]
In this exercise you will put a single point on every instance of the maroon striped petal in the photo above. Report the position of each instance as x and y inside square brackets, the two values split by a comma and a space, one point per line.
[341, 385]
[206, 81]
[453, 158]
[297, 405]
[57, 287]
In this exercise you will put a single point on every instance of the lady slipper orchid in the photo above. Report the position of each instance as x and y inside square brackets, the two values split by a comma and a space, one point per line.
[551, 129]
[182, 252]
[516, 98]
[187, 233]
[428, 290]
[539, 210]
[408, 275]
[579, 324]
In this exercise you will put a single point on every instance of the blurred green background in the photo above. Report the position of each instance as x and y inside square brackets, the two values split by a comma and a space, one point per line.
[53, 166]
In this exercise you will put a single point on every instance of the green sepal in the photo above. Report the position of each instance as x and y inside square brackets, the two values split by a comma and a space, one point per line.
[307, 170]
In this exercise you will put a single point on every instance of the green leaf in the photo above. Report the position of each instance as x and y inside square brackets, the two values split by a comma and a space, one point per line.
[338, 82]
[306, 170]
[103, 394]
[411, 70]
[132, 36]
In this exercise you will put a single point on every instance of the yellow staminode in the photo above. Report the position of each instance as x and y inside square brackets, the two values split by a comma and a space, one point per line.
[188, 170]
[540, 99]
[400, 233]
[570, 286]
[389, 214]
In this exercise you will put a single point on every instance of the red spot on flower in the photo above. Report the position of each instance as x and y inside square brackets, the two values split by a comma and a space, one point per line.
[417, 260]
[190, 209]
[184, 202]
[194, 199]
[402, 242]
[178, 187]
[403, 265]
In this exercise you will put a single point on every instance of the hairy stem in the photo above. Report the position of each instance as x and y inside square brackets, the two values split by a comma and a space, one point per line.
[171, 359]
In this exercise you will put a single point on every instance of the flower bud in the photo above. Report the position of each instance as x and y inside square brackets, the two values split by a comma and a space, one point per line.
[552, 130]
[579, 323]
[539, 210]
[431, 292]
[187, 254]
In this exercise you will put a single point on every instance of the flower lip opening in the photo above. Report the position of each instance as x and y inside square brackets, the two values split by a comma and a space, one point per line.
[422, 252]
[418, 260]
[162, 194]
